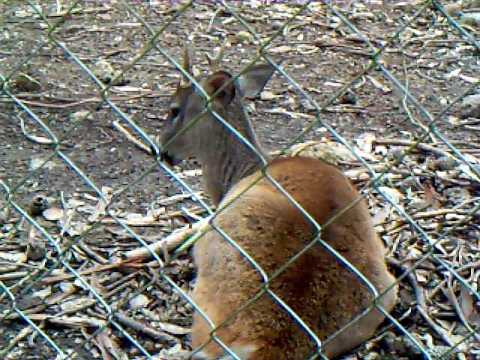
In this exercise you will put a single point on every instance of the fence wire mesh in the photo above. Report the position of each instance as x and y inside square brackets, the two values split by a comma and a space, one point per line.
[387, 90]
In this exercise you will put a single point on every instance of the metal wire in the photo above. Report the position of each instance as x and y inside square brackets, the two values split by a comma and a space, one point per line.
[22, 111]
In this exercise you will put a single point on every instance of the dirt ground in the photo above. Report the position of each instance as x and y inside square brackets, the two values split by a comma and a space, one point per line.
[319, 53]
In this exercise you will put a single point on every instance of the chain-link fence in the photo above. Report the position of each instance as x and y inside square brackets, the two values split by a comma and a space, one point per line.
[92, 264]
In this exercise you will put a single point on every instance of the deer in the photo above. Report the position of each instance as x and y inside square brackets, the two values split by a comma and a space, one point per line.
[253, 197]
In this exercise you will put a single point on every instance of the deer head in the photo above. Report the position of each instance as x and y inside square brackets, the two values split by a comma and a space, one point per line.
[191, 128]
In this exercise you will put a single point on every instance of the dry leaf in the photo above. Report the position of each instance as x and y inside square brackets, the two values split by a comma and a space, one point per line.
[281, 49]
[432, 198]
[365, 142]
[467, 304]
[13, 257]
[173, 329]
[379, 85]
[53, 214]
[76, 304]
[453, 74]
[422, 276]
[381, 215]
[393, 195]
[268, 95]
[139, 301]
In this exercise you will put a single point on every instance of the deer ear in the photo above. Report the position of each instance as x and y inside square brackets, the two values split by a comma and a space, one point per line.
[252, 82]
[221, 86]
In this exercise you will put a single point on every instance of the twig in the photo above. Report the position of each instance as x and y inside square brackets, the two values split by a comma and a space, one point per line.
[152, 220]
[343, 48]
[450, 295]
[399, 223]
[362, 173]
[434, 213]
[409, 114]
[71, 322]
[147, 221]
[169, 243]
[419, 295]
[212, 20]
[131, 138]
[474, 128]
[36, 139]
[144, 328]
[86, 303]
[420, 146]
[178, 197]
[13, 342]
[95, 269]
[13, 275]
[79, 11]
[94, 255]
[149, 94]
[105, 341]
[131, 283]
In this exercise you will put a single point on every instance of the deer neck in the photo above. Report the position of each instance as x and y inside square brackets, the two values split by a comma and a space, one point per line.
[230, 160]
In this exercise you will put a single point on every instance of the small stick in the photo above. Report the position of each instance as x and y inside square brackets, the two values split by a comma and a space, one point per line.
[434, 213]
[212, 20]
[147, 221]
[420, 297]
[177, 198]
[144, 328]
[80, 11]
[69, 321]
[420, 146]
[450, 295]
[105, 342]
[149, 94]
[151, 220]
[169, 243]
[93, 254]
[20, 336]
[399, 223]
[404, 103]
[471, 127]
[86, 303]
[95, 269]
[36, 139]
[131, 138]
[13, 275]
[344, 48]
[130, 283]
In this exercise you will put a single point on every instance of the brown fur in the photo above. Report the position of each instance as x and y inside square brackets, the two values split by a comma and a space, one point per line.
[316, 286]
